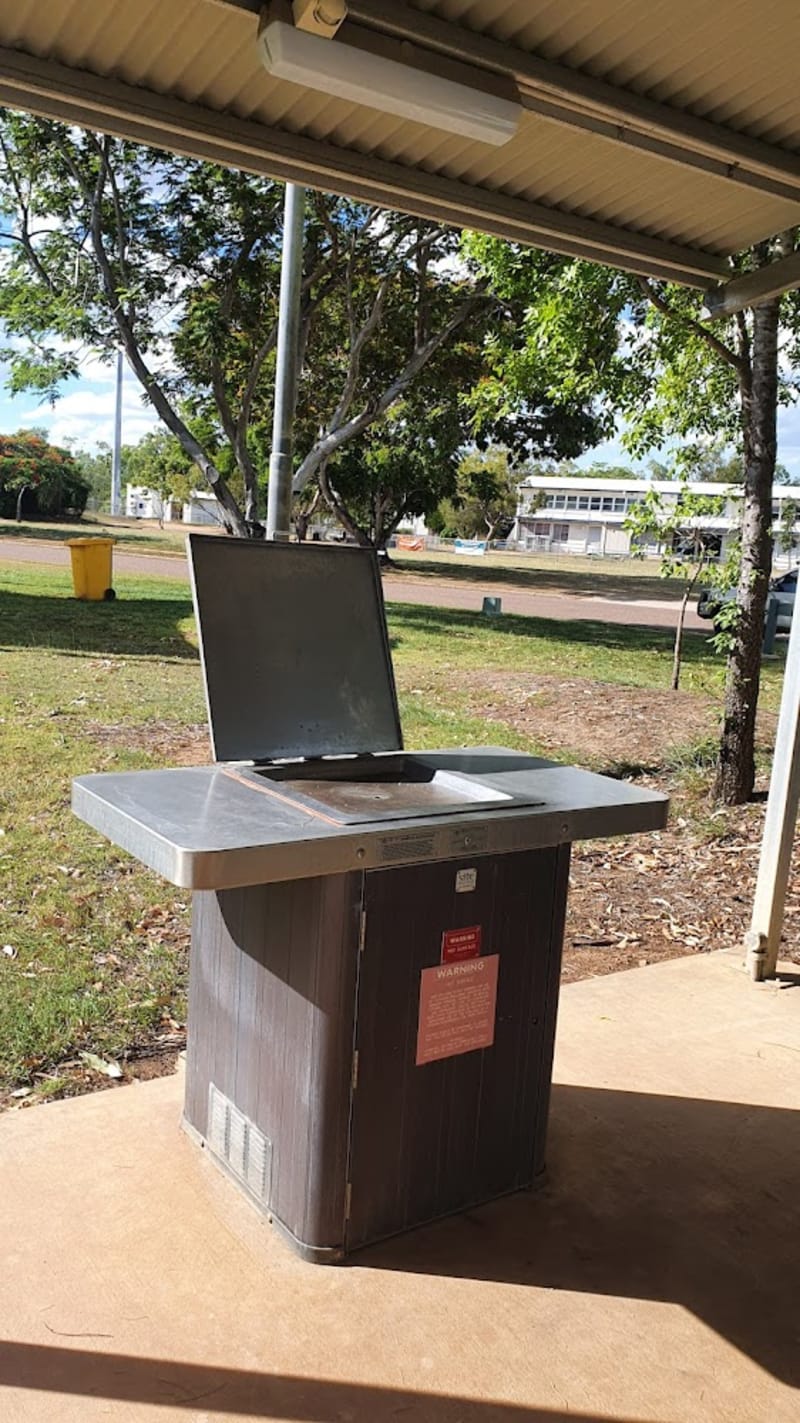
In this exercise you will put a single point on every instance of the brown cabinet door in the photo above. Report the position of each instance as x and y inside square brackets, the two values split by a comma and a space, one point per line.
[430, 1139]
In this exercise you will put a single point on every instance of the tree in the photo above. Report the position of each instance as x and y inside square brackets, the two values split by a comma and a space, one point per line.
[406, 462]
[679, 522]
[29, 465]
[484, 504]
[379, 443]
[708, 464]
[95, 468]
[159, 463]
[644, 350]
[109, 244]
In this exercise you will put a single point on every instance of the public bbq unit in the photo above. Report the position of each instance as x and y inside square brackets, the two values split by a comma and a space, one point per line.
[376, 933]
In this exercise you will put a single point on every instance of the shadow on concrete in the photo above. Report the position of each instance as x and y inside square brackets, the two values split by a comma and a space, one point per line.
[660, 1198]
[169, 1383]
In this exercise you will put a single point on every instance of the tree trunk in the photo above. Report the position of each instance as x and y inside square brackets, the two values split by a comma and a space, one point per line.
[736, 765]
[677, 651]
[336, 507]
[677, 654]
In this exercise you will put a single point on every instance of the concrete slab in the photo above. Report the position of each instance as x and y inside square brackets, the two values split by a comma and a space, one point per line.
[654, 1280]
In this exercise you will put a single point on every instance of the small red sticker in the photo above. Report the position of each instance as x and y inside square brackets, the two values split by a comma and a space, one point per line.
[460, 944]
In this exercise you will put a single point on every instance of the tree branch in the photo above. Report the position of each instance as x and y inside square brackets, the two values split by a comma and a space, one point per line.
[24, 235]
[232, 514]
[337, 435]
[724, 352]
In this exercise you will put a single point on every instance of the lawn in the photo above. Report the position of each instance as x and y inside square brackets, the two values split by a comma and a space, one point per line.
[134, 534]
[94, 947]
[545, 573]
[606, 577]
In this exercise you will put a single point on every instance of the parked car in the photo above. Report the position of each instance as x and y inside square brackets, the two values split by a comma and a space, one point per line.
[784, 588]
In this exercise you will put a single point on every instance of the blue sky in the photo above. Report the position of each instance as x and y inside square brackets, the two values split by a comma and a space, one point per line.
[85, 414]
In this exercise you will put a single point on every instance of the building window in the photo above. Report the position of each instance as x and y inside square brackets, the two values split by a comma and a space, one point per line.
[559, 501]
[595, 501]
[583, 501]
[560, 533]
[572, 501]
[619, 506]
[608, 506]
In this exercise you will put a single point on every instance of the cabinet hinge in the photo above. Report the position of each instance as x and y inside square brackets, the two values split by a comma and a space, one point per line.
[354, 1074]
[348, 1199]
[362, 931]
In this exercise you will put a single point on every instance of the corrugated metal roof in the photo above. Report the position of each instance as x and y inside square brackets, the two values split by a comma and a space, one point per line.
[733, 62]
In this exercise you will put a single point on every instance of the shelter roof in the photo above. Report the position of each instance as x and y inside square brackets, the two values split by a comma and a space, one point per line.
[658, 135]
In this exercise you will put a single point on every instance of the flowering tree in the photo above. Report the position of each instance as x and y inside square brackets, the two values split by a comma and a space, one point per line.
[28, 462]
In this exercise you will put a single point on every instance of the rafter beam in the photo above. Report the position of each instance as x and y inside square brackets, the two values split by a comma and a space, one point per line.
[751, 288]
[581, 101]
[76, 96]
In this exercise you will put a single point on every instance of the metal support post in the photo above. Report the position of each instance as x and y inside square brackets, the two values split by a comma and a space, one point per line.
[763, 938]
[116, 452]
[279, 494]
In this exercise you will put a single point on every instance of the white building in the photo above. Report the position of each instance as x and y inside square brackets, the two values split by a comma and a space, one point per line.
[202, 508]
[560, 514]
[144, 503]
[199, 508]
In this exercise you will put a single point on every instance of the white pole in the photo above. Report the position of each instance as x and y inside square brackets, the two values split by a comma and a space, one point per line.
[116, 453]
[763, 938]
[279, 494]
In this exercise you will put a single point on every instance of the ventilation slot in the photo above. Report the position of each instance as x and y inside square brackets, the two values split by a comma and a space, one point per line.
[237, 1142]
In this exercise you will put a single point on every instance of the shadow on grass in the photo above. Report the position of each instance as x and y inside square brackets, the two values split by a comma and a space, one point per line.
[130, 627]
[129, 538]
[590, 582]
[454, 623]
[68, 529]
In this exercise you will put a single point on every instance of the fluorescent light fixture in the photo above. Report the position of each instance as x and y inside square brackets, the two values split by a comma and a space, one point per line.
[364, 75]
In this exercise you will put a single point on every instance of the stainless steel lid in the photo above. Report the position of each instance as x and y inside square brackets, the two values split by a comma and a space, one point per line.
[294, 647]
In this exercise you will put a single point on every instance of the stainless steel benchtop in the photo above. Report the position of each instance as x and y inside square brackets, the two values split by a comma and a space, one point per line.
[203, 828]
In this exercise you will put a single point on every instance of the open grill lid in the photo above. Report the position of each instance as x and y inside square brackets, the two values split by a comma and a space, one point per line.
[294, 649]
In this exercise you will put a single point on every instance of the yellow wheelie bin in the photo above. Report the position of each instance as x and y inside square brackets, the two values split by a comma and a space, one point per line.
[91, 569]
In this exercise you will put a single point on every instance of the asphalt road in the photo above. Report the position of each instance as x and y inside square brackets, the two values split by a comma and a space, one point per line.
[406, 588]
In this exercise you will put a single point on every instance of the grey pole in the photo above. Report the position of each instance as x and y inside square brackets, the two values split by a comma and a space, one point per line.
[763, 938]
[116, 453]
[279, 495]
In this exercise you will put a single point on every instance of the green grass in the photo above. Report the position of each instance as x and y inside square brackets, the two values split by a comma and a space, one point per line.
[129, 533]
[99, 943]
[448, 640]
[88, 972]
[608, 577]
[540, 573]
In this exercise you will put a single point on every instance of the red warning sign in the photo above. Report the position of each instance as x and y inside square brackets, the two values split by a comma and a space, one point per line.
[460, 944]
[457, 1006]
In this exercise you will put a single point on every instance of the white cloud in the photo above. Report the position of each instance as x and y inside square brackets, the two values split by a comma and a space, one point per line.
[86, 414]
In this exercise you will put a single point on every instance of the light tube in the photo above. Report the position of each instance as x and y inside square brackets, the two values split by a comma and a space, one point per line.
[335, 67]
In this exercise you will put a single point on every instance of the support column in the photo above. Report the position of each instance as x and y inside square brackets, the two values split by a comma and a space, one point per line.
[763, 938]
[116, 452]
[279, 494]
